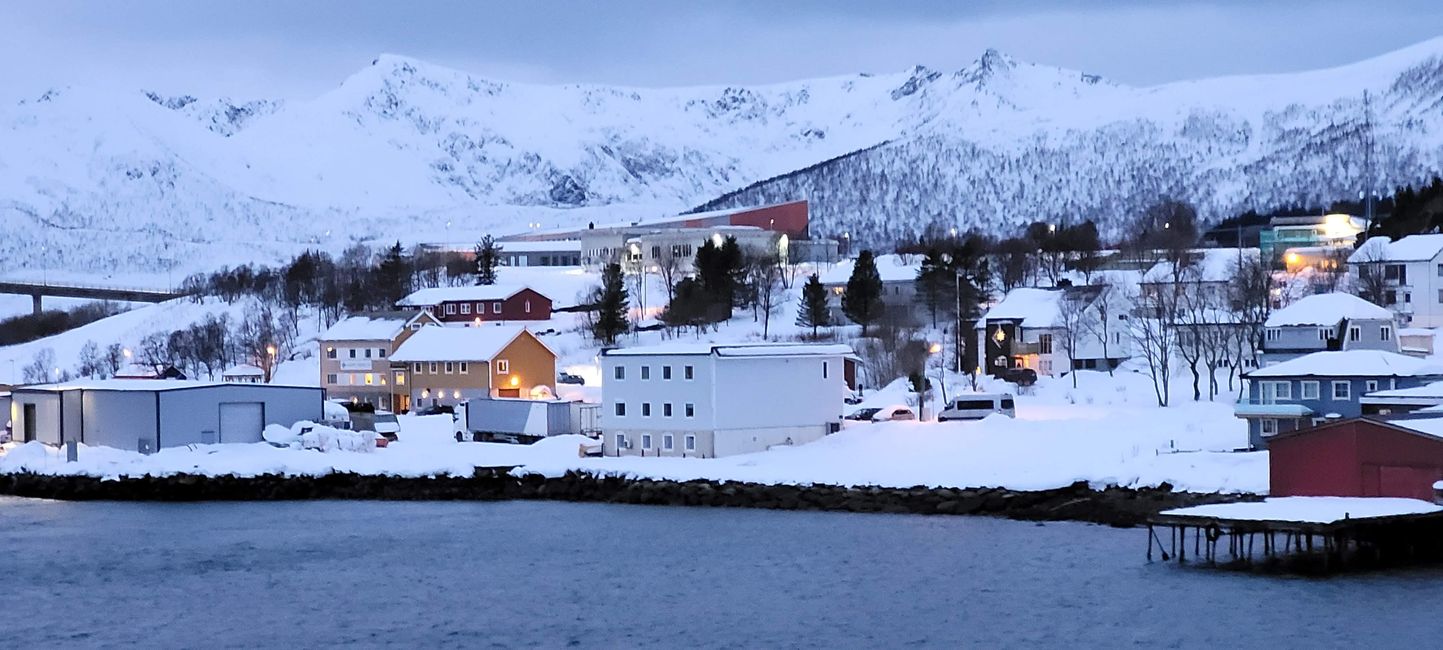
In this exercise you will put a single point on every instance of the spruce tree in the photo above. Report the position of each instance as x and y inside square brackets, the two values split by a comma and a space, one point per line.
[862, 302]
[488, 257]
[611, 305]
[813, 311]
[937, 283]
[393, 276]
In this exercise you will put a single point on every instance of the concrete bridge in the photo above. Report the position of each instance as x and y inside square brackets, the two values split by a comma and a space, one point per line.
[38, 290]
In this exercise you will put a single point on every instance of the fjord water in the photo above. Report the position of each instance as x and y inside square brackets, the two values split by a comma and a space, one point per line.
[532, 574]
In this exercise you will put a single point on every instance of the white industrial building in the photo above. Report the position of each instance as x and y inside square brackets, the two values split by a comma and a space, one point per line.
[711, 400]
[150, 414]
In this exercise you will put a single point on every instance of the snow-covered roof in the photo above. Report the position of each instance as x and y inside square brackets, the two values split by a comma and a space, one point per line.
[1207, 265]
[438, 295]
[736, 350]
[145, 385]
[1327, 309]
[1034, 307]
[243, 370]
[1315, 510]
[457, 343]
[1413, 248]
[546, 246]
[374, 326]
[891, 267]
[1431, 390]
[1351, 363]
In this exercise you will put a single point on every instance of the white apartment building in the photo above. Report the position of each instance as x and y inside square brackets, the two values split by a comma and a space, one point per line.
[710, 400]
[1411, 272]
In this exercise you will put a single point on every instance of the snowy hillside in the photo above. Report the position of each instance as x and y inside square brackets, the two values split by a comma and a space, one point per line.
[407, 150]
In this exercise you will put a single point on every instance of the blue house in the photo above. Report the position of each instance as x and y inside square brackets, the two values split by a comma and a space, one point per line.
[1321, 386]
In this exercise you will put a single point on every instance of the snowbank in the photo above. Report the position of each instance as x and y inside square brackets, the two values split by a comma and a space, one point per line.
[1313, 510]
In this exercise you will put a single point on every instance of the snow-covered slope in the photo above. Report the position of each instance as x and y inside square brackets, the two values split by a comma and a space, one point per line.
[412, 151]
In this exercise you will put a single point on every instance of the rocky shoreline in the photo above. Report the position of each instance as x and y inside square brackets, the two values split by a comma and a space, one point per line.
[1077, 502]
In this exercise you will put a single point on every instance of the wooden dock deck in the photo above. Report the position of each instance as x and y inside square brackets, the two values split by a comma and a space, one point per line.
[1251, 538]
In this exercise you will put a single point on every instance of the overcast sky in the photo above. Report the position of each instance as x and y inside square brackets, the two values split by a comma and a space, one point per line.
[298, 49]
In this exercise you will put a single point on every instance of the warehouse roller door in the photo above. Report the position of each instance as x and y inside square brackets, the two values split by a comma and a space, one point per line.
[241, 421]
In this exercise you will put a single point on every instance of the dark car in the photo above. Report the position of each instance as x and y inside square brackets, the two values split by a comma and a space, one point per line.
[568, 378]
[863, 415]
[1019, 376]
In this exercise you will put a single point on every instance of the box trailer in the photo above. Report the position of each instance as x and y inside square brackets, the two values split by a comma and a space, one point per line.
[525, 420]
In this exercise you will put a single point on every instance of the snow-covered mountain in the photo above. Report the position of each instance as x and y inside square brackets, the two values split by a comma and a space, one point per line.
[412, 151]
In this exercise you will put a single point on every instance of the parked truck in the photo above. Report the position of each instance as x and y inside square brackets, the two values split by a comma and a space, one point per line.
[504, 419]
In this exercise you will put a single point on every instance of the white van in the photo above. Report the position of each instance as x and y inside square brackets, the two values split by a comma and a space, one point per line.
[976, 406]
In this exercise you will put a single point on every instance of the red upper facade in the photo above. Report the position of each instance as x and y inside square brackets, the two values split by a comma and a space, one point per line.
[480, 304]
[1355, 458]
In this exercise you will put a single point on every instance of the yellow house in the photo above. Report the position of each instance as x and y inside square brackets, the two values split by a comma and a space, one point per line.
[448, 365]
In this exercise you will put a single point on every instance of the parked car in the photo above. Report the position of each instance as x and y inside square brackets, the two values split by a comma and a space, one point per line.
[386, 425]
[977, 406]
[863, 415]
[1019, 376]
[568, 378]
[437, 410]
[894, 413]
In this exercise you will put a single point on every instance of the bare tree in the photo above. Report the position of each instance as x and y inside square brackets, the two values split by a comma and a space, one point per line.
[1154, 338]
[671, 266]
[1370, 280]
[1073, 322]
[92, 361]
[1250, 299]
[1100, 327]
[764, 273]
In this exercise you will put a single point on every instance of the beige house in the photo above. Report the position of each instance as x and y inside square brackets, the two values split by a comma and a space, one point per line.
[450, 365]
[356, 357]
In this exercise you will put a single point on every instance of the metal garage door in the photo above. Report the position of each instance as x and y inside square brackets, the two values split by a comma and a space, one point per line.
[241, 421]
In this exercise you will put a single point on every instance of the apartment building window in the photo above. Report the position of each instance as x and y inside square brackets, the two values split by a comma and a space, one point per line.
[666, 410]
[646, 441]
[1440, 270]
[688, 372]
[450, 309]
[1272, 334]
[1385, 333]
[621, 409]
[1281, 389]
[465, 307]
[666, 372]
[400, 377]
[431, 367]
[1355, 333]
[450, 367]
[368, 353]
[1370, 385]
[1268, 426]
[1044, 344]
[381, 353]
[690, 442]
[690, 410]
[331, 351]
[370, 378]
[826, 369]
[416, 368]
[656, 252]
[646, 409]
[495, 307]
[331, 378]
[666, 442]
[1310, 390]
[1323, 334]
[352, 352]
[465, 367]
[1342, 390]
[619, 372]
[645, 373]
[503, 367]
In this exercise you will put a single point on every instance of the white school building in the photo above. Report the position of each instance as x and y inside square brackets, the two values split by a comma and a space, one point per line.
[710, 400]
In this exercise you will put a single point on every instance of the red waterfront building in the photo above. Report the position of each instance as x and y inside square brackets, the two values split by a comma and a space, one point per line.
[481, 303]
[1360, 457]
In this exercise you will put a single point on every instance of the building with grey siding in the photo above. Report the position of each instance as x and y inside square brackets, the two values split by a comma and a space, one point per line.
[150, 414]
[1327, 322]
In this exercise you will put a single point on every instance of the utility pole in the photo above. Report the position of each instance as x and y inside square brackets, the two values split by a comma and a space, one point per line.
[1368, 179]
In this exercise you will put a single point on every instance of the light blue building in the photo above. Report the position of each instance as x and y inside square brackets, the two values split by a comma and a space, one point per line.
[1327, 321]
[1321, 386]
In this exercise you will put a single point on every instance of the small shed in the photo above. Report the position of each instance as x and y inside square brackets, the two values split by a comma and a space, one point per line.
[1359, 457]
[244, 374]
[150, 414]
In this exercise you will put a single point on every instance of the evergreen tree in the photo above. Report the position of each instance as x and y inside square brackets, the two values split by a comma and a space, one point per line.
[862, 302]
[721, 271]
[937, 283]
[611, 304]
[812, 311]
[689, 306]
[393, 276]
[488, 257]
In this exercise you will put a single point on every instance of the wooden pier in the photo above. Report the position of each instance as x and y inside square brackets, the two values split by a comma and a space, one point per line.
[1295, 545]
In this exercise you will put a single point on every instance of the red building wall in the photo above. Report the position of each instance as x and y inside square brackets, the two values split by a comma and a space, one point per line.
[1355, 458]
[790, 218]
[512, 309]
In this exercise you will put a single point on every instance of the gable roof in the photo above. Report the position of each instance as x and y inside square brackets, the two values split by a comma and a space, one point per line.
[1327, 309]
[1351, 363]
[1413, 248]
[460, 343]
[372, 326]
[1205, 265]
[891, 267]
[438, 295]
[758, 349]
[1036, 307]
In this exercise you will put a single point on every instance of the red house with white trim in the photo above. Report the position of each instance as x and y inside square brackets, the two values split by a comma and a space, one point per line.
[480, 303]
[1360, 457]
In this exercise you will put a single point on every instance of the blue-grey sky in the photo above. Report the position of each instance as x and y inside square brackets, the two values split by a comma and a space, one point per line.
[299, 48]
